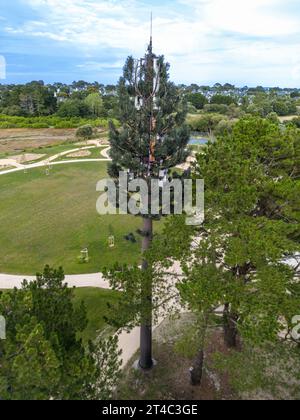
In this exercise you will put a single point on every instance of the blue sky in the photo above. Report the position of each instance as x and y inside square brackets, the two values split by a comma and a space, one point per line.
[245, 42]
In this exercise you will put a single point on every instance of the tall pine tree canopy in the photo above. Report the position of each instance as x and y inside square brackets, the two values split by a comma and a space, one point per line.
[164, 112]
[251, 230]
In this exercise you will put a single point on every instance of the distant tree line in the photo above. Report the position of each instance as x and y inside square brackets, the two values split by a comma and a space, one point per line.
[260, 104]
[81, 99]
[88, 100]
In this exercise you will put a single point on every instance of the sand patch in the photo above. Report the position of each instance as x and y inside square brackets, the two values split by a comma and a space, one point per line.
[26, 157]
[79, 154]
[187, 165]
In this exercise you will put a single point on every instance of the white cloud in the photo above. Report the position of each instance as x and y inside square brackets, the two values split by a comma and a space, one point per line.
[2, 67]
[88, 24]
[250, 17]
[124, 23]
[203, 39]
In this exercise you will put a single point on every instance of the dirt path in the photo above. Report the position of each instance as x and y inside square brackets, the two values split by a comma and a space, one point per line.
[11, 281]
[105, 153]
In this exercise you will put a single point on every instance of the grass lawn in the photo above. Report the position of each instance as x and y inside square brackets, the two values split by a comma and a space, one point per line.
[50, 219]
[96, 301]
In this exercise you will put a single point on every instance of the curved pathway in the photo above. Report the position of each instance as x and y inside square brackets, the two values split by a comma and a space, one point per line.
[105, 153]
[11, 281]
[52, 160]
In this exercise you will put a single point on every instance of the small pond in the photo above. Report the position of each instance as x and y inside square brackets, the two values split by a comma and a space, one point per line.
[195, 141]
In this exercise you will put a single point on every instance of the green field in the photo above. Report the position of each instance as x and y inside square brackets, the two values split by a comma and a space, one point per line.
[50, 219]
[96, 301]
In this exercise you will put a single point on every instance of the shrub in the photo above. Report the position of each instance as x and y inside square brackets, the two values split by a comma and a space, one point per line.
[205, 123]
[223, 128]
[223, 100]
[55, 121]
[39, 125]
[85, 132]
[295, 121]
[273, 117]
[216, 108]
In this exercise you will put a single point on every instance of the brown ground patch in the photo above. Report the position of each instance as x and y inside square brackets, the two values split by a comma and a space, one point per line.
[18, 140]
[27, 157]
[288, 118]
[22, 139]
[170, 379]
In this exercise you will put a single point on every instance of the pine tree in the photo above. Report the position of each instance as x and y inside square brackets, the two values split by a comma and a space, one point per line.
[42, 356]
[152, 140]
[238, 266]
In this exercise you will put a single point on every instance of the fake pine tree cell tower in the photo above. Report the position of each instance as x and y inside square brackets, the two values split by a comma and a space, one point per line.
[152, 139]
[147, 73]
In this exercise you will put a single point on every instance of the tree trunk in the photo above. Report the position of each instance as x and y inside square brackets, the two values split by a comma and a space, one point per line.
[197, 369]
[230, 327]
[146, 361]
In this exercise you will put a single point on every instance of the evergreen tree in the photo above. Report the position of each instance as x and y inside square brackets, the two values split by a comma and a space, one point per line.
[152, 138]
[252, 228]
[42, 357]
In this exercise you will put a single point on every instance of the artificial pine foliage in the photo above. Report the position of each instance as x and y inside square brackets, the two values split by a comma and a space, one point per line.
[164, 112]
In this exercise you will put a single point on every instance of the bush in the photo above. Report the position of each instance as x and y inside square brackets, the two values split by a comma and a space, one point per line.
[55, 121]
[223, 100]
[295, 121]
[216, 108]
[223, 128]
[7, 125]
[13, 111]
[64, 124]
[273, 117]
[205, 123]
[85, 132]
[39, 125]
